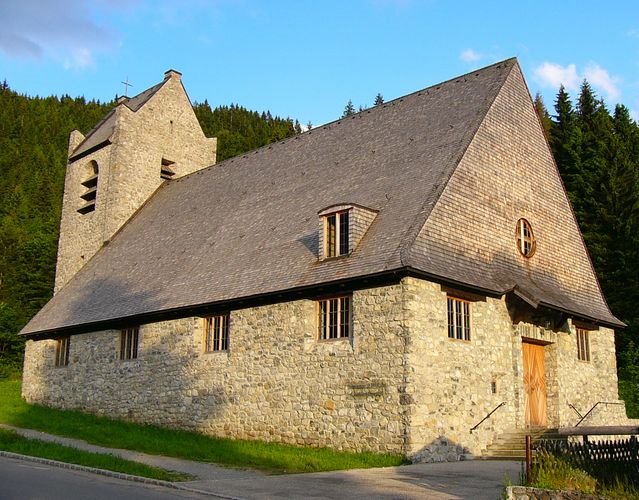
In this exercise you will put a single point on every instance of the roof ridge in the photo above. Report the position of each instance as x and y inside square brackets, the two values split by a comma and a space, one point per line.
[133, 104]
[510, 60]
[92, 132]
[406, 243]
[359, 114]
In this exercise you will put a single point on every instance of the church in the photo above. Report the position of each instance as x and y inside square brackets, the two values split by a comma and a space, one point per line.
[409, 279]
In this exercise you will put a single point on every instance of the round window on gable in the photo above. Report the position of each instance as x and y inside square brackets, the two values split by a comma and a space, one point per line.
[525, 239]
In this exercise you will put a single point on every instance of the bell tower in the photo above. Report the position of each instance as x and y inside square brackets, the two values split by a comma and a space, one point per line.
[143, 142]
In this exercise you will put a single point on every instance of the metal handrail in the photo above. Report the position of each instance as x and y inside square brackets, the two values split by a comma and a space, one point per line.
[594, 406]
[576, 410]
[488, 416]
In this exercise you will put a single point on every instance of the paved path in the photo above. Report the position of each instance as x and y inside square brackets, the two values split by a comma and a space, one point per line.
[199, 470]
[476, 479]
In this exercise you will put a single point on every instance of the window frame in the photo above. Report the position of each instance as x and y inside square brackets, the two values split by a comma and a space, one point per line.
[62, 350]
[458, 319]
[331, 318]
[526, 242]
[582, 337]
[129, 343]
[337, 242]
[216, 332]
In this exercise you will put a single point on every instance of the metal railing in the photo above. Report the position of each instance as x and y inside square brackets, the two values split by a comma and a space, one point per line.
[576, 410]
[595, 406]
[488, 416]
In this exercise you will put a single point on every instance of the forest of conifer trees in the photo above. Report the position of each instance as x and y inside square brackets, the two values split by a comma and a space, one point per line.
[597, 153]
[34, 134]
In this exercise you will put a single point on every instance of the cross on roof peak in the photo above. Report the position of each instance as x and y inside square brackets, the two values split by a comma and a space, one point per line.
[126, 86]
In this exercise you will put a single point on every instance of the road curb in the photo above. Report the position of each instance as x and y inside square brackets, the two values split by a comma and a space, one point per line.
[116, 475]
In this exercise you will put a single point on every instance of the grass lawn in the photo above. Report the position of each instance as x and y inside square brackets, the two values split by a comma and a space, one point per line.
[10, 441]
[150, 439]
[555, 473]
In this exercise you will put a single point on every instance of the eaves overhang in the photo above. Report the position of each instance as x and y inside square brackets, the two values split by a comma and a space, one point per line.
[87, 152]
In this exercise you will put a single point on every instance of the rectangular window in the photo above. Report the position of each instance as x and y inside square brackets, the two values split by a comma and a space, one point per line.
[458, 319]
[583, 344]
[216, 333]
[334, 318]
[129, 343]
[343, 233]
[336, 234]
[62, 351]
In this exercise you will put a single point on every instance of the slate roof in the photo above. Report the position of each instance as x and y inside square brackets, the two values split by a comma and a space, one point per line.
[101, 134]
[248, 226]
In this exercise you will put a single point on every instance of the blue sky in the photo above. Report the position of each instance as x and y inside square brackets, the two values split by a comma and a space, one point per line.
[305, 59]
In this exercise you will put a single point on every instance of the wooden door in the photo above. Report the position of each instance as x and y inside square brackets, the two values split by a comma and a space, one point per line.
[534, 384]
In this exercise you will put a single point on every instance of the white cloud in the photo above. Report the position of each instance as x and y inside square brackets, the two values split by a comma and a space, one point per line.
[469, 55]
[599, 78]
[553, 75]
[81, 58]
[63, 30]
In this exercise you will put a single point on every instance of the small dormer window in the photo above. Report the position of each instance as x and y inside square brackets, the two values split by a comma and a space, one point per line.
[342, 227]
[336, 231]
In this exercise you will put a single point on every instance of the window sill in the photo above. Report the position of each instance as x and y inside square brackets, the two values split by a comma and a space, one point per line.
[336, 257]
[330, 341]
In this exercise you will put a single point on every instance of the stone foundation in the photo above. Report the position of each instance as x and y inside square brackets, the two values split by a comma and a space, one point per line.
[398, 385]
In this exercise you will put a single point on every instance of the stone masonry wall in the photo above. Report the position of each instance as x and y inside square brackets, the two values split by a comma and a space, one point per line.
[277, 382]
[584, 383]
[399, 384]
[81, 234]
[450, 381]
[165, 127]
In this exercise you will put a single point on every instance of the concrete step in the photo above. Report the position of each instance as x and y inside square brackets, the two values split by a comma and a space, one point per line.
[512, 445]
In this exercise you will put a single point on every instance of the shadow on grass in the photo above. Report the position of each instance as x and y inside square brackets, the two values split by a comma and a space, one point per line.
[102, 431]
[12, 442]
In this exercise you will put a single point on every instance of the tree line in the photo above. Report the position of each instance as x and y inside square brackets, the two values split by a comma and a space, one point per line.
[597, 153]
[34, 134]
[596, 150]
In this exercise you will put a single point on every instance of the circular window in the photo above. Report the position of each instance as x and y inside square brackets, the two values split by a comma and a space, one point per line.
[525, 239]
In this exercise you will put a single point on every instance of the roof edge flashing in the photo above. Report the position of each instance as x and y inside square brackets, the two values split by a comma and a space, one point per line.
[172, 73]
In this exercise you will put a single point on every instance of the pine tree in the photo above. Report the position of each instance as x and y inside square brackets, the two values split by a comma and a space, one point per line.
[598, 157]
[564, 142]
[349, 109]
[544, 116]
[378, 100]
[34, 133]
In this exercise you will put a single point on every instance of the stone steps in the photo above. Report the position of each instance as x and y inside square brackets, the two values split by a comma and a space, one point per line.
[512, 445]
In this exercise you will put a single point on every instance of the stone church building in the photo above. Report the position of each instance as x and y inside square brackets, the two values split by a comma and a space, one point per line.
[383, 282]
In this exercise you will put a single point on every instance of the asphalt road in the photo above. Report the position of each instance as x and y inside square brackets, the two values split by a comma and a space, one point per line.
[472, 480]
[21, 480]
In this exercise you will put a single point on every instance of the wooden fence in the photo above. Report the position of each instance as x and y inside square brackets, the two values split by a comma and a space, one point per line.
[605, 460]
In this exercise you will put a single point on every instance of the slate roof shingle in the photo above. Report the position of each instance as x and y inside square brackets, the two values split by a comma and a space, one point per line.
[248, 226]
[101, 134]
